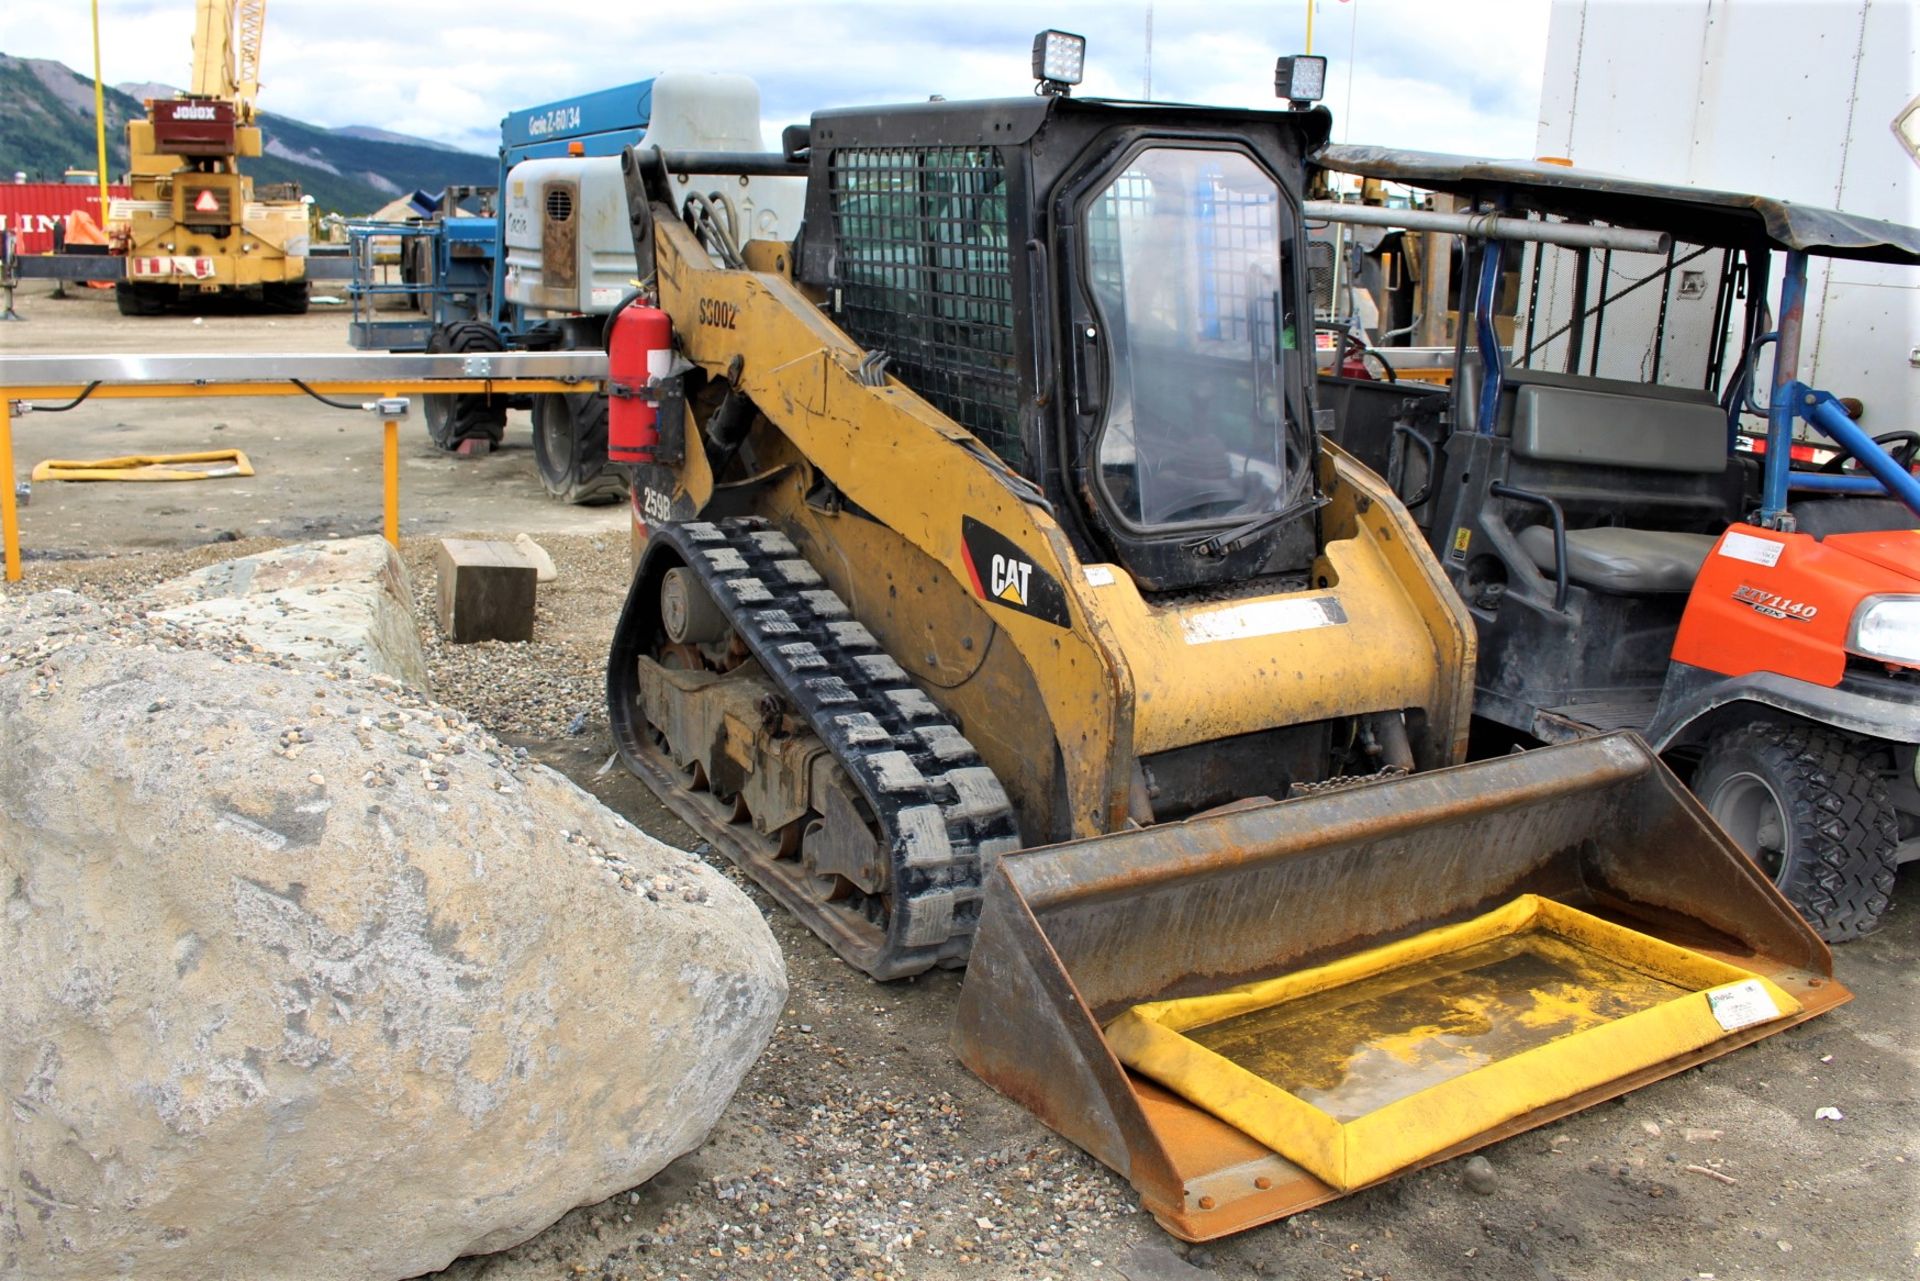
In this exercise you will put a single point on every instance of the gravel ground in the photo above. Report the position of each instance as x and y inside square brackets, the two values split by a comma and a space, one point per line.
[553, 687]
[859, 1147]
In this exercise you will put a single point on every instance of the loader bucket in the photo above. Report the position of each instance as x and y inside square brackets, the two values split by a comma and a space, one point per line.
[1375, 979]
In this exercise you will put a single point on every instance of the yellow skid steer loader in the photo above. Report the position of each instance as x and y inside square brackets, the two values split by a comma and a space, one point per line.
[997, 598]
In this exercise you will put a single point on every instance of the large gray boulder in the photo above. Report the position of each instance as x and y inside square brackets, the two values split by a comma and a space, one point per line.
[348, 603]
[305, 976]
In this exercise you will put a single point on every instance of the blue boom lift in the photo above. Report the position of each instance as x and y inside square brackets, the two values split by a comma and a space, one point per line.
[453, 268]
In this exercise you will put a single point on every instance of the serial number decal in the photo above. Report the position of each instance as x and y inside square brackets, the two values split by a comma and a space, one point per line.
[1262, 618]
[1774, 605]
[1741, 1005]
[719, 314]
[1755, 551]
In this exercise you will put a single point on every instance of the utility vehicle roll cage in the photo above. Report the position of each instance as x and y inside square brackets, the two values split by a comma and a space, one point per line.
[1750, 228]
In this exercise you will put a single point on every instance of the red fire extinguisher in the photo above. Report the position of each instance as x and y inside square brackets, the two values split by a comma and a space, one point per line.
[639, 352]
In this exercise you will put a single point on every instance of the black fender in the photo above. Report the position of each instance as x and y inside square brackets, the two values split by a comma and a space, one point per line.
[1695, 701]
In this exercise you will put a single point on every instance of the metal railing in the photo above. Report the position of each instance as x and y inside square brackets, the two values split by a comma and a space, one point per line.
[386, 379]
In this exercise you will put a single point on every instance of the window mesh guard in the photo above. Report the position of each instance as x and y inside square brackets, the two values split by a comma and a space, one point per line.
[923, 273]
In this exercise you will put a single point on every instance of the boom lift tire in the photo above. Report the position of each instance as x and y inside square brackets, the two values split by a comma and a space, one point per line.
[466, 415]
[1811, 808]
[570, 447]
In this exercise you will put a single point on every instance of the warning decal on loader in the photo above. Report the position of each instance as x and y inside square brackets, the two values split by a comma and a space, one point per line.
[1005, 575]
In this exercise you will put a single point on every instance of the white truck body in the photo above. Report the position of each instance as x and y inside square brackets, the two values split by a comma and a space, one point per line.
[1796, 101]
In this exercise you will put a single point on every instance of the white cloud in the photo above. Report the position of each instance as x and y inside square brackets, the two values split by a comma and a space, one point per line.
[1459, 76]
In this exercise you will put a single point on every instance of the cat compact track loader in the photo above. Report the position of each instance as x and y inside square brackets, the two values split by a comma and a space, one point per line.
[997, 599]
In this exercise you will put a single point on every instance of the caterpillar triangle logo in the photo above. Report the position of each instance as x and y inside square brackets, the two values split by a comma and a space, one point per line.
[207, 203]
[1004, 574]
[1009, 578]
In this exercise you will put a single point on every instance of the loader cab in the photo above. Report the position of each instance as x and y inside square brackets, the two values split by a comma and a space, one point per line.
[1108, 296]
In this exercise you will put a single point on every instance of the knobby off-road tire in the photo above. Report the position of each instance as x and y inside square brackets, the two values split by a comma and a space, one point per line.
[452, 419]
[570, 447]
[1810, 806]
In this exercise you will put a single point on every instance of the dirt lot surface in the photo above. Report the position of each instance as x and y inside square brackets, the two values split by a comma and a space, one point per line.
[859, 1147]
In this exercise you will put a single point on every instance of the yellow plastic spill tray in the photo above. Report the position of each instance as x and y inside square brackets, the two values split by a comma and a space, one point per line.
[1367, 1064]
[211, 464]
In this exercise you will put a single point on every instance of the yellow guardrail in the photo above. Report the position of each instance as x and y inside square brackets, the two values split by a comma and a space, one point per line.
[25, 379]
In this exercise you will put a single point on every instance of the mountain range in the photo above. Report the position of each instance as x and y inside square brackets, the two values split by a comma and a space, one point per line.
[355, 170]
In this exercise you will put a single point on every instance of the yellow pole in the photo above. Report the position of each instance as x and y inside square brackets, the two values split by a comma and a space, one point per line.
[9, 517]
[1308, 49]
[392, 445]
[99, 116]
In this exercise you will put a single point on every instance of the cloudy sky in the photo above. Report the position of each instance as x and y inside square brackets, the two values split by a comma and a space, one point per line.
[1461, 76]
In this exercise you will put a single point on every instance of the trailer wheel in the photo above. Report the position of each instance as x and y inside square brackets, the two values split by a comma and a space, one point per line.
[570, 446]
[136, 298]
[467, 415]
[286, 297]
[1810, 806]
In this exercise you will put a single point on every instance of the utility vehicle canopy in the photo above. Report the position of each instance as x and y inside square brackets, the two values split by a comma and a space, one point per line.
[1695, 214]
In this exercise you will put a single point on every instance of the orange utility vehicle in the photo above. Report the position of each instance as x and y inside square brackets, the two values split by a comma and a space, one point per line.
[1628, 525]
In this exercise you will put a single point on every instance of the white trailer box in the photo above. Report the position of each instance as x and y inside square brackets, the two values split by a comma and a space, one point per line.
[1796, 101]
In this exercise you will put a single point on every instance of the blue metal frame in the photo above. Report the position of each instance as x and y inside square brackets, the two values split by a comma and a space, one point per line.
[1793, 399]
[1780, 409]
[1825, 413]
[1834, 483]
[1492, 369]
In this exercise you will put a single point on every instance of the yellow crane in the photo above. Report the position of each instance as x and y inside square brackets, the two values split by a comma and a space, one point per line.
[192, 223]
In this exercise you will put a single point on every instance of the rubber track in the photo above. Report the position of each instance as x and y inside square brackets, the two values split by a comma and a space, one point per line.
[941, 812]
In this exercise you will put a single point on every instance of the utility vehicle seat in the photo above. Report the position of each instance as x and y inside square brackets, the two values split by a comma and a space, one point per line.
[1623, 560]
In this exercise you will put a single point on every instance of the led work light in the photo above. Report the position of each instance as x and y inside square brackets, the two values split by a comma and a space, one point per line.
[1059, 58]
[1300, 78]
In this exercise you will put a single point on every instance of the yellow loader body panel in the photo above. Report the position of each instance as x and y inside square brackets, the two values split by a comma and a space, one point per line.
[1126, 677]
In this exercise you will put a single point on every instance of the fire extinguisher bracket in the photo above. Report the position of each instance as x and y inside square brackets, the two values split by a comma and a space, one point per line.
[670, 402]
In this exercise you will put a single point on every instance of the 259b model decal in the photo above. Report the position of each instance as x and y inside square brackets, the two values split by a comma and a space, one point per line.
[1005, 575]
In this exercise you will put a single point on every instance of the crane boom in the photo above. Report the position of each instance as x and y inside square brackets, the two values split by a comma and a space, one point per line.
[250, 22]
[226, 52]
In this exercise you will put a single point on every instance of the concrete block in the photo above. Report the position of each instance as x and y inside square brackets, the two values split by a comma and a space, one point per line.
[474, 447]
[486, 591]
